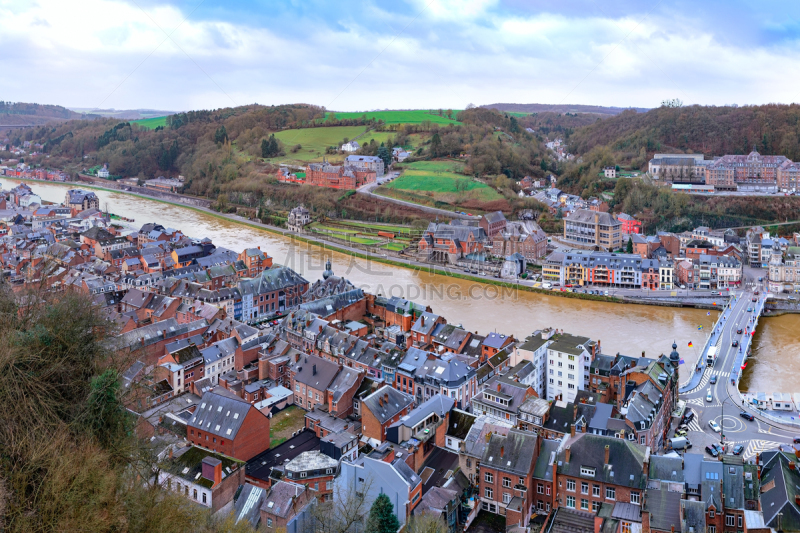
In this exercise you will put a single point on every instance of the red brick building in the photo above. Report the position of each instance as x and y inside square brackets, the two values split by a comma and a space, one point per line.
[255, 261]
[506, 483]
[314, 468]
[226, 424]
[311, 377]
[381, 409]
[337, 177]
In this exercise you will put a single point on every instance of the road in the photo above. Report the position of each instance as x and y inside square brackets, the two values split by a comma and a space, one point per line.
[369, 187]
[725, 405]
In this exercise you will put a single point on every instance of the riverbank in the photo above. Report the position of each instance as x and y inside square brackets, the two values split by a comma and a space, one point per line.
[398, 261]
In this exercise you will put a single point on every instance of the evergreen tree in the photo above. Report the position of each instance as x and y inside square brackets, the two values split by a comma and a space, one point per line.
[384, 154]
[221, 135]
[543, 164]
[264, 148]
[629, 246]
[381, 516]
[436, 145]
[274, 149]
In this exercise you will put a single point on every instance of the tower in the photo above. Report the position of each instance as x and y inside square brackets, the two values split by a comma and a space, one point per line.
[674, 356]
[328, 271]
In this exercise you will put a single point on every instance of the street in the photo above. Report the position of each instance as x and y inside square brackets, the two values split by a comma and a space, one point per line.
[725, 405]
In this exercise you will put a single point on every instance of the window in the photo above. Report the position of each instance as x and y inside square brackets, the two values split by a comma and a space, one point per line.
[595, 506]
[730, 520]
[587, 471]
[712, 529]
[635, 498]
[571, 502]
[610, 493]
[584, 504]
[547, 490]
[711, 513]
[584, 488]
[506, 481]
[506, 498]
[204, 497]
[740, 521]
[303, 474]
[540, 488]
[596, 490]
[469, 463]
[269, 522]
[489, 477]
[488, 493]
[195, 494]
[571, 485]
[626, 527]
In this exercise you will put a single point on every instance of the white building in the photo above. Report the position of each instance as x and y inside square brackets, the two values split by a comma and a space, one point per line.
[610, 172]
[666, 275]
[103, 172]
[534, 349]
[568, 359]
[219, 358]
[351, 146]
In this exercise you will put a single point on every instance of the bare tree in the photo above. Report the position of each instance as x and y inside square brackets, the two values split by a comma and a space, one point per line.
[427, 523]
[345, 512]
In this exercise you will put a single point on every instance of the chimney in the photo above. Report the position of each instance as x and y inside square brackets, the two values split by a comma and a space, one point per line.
[575, 412]
[170, 452]
[386, 398]
[320, 328]
[673, 528]
[572, 430]
[314, 369]
[567, 453]
[502, 451]
[380, 401]
[498, 387]
[212, 470]
[608, 451]
[423, 321]
[488, 436]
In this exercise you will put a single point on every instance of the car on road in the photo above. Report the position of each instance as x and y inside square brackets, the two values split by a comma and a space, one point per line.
[735, 343]
[709, 396]
[756, 292]
[712, 450]
[713, 380]
[747, 416]
[688, 416]
[796, 440]
[739, 331]
[681, 433]
[754, 299]
[714, 426]
[749, 309]
[738, 449]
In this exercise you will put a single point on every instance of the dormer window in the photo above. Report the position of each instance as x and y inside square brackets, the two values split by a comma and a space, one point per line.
[587, 471]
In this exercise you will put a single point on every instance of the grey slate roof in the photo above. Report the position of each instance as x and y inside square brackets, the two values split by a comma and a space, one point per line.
[439, 404]
[512, 453]
[383, 410]
[626, 460]
[315, 372]
[665, 508]
[220, 415]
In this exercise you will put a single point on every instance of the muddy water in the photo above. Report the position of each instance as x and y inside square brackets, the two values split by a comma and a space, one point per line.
[774, 365]
[629, 329]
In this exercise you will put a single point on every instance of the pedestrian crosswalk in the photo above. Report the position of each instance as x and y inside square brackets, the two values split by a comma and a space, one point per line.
[707, 376]
[752, 447]
[694, 425]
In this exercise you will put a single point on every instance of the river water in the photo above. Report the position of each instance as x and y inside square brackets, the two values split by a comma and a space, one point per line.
[628, 329]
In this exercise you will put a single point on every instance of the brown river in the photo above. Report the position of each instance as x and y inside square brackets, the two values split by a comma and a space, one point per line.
[628, 329]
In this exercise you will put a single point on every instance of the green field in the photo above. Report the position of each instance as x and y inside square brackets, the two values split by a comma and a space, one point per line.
[315, 140]
[402, 117]
[151, 123]
[434, 166]
[442, 182]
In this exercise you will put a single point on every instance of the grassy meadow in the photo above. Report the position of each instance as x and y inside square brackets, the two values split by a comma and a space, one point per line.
[416, 116]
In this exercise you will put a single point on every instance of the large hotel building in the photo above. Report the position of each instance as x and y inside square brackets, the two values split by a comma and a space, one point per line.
[729, 172]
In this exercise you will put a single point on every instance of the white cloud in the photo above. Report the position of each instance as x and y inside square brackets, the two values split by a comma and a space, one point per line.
[454, 53]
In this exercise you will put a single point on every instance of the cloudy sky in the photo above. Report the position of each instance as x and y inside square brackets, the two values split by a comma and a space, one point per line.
[354, 55]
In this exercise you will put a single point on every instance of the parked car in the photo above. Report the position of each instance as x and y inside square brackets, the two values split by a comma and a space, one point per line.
[688, 416]
[735, 343]
[681, 433]
[738, 449]
[714, 426]
[713, 379]
[712, 450]
[747, 416]
[796, 440]
[709, 396]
